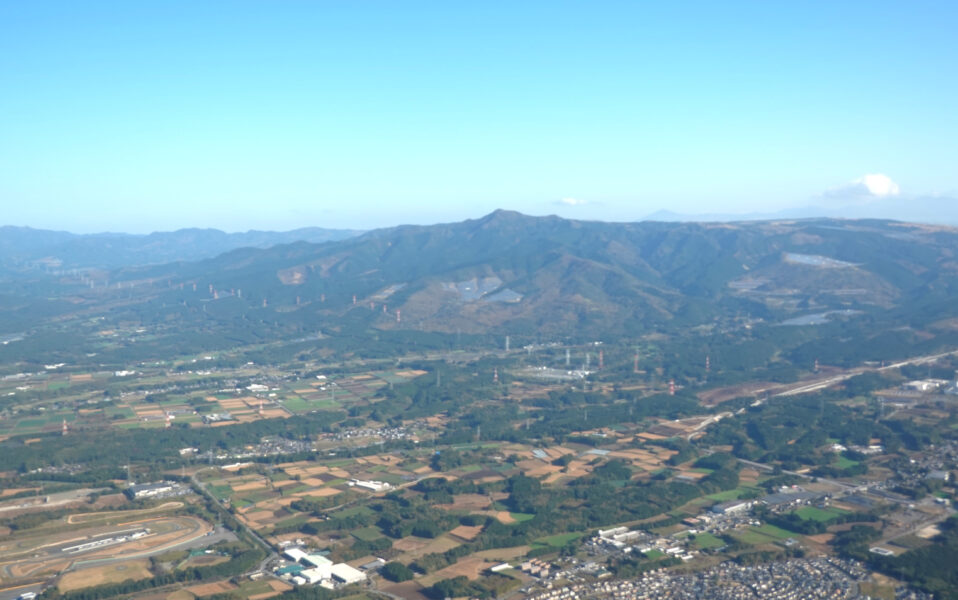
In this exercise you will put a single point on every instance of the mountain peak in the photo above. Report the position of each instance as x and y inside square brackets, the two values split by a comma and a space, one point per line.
[502, 215]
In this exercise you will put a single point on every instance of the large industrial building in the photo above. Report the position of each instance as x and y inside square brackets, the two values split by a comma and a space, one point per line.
[320, 570]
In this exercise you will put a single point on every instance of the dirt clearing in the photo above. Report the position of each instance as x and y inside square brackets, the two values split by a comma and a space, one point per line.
[115, 573]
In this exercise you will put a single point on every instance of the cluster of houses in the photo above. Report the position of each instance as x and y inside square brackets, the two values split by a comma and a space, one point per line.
[536, 567]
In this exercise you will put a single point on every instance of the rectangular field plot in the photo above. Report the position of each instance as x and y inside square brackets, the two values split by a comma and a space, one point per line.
[559, 540]
[366, 534]
[706, 541]
[114, 573]
[297, 404]
[776, 532]
[821, 515]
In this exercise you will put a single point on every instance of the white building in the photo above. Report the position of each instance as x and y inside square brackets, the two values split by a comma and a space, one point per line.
[612, 532]
[317, 574]
[346, 574]
[375, 486]
[148, 490]
[295, 554]
[316, 560]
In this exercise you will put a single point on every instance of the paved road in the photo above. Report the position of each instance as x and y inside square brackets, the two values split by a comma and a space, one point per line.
[58, 499]
[219, 534]
[13, 593]
[819, 384]
[270, 552]
[845, 486]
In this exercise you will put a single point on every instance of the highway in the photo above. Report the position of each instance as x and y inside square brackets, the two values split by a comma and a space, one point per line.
[822, 383]
[845, 486]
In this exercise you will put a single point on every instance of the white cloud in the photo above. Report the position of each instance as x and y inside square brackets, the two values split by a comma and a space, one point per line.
[878, 185]
[572, 202]
[866, 187]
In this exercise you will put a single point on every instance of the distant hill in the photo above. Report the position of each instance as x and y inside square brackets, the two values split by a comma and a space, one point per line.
[551, 276]
[23, 249]
[941, 210]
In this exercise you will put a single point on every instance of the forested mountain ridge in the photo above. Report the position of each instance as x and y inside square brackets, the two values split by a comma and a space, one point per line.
[23, 249]
[810, 288]
[508, 271]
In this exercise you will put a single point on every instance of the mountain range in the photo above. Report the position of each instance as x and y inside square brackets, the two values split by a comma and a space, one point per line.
[542, 277]
[547, 275]
[23, 249]
[808, 287]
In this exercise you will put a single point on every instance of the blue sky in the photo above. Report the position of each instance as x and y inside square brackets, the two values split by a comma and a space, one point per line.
[141, 116]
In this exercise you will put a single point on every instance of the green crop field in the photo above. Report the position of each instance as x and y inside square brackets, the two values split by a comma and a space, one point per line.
[844, 463]
[776, 532]
[817, 514]
[707, 540]
[353, 511]
[366, 534]
[297, 404]
[294, 521]
[751, 536]
[221, 491]
[558, 540]
[520, 517]
[730, 494]
[123, 412]
[763, 534]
